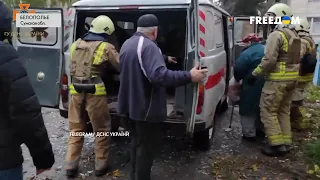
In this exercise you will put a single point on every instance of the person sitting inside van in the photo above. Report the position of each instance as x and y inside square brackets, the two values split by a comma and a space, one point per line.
[249, 110]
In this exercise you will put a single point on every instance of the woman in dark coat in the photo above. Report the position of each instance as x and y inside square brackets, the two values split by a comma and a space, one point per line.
[249, 110]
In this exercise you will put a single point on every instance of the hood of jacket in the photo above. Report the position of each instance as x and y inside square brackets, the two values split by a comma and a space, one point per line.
[95, 37]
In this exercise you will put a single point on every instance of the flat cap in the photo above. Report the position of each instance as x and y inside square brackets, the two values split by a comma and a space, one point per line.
[147, 20]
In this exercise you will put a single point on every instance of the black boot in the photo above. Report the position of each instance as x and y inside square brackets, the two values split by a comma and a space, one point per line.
[274, 151]
[288, 148]
[102, 172]
[71, 173]
[260, 133]
[249, 139]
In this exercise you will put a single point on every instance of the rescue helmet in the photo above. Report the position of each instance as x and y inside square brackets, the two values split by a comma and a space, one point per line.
[303, 26]
[102, 25]
[251, 38]
[279, 10]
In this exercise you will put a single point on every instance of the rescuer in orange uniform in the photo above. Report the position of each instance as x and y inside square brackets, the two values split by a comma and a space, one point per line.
[280, 66]
[90, 58]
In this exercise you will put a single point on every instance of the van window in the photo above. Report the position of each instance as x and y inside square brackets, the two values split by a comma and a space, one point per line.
[38, 36]
[122, 24]
[242, 28]
[219, 31]
[128, 27]
[210, 32]
[125, 25]
[230, 37]
[193, 26]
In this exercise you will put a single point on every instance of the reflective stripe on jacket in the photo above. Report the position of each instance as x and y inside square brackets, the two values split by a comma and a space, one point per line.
[306, 78]
[284, 73]
[98, 58]
[100, 90]
[276, 65]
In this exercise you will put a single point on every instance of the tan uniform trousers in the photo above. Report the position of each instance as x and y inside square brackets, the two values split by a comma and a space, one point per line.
[275, 105]
[98, 113]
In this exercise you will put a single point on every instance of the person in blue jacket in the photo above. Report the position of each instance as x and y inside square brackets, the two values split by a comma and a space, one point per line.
[249, 110]
[144, 78]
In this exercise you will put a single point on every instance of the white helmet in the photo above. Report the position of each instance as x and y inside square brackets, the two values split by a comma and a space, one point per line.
[102, 25]
[303, 26]
[280, 10]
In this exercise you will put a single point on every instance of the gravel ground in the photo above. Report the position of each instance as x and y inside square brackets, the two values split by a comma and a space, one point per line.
[177, 161]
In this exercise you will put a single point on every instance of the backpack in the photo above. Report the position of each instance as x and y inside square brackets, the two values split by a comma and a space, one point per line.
[308, 64]
[293, 42]
[311, 45]
[309, 61]
[82, 58]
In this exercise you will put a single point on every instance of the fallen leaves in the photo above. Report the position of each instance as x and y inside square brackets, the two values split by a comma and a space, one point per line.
[308, 115]
[115, 173]
[255, 168]
[315, 170]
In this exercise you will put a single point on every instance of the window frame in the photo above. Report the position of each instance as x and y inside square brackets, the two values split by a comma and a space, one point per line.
[38, 44]
[311, 25]
[243, 20]
[218, 17]
[193, 31]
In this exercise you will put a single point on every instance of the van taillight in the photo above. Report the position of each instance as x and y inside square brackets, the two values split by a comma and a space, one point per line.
[64, 89]
[200, 98]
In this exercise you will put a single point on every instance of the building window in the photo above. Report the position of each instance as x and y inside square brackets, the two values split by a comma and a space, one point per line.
[315, 28]
[315, 25]
[309, 19]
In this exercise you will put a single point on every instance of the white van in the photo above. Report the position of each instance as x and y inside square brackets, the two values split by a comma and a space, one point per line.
[196, 31]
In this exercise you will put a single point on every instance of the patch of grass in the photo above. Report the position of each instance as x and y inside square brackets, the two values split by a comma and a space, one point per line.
[313, 114]
[311, 110]
[313, 150]
[313, 93]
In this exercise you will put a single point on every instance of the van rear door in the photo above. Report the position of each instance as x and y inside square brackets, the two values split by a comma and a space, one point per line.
[192, 58]
[41, 50]
[241, 28]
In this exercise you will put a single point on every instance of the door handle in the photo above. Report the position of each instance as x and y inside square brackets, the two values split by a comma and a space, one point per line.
[204, 67]
[40, 76]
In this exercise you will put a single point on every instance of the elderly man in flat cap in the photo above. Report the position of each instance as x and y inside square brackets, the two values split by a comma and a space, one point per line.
[142, 95]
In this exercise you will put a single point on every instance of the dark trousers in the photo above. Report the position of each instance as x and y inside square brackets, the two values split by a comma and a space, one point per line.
[12, 174]
[146, 138]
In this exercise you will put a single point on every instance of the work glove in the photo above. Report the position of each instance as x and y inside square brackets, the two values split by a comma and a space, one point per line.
[252, 79]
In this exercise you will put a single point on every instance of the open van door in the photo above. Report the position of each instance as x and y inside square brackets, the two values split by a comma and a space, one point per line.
[42, 53]
[241, 28]
[193, 57]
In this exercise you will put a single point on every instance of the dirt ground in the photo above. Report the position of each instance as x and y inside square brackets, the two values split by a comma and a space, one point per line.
[228, 159]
